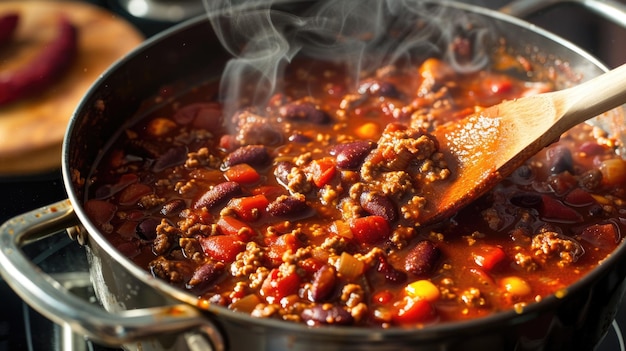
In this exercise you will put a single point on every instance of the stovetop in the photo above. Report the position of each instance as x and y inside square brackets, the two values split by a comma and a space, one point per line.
[22, 328]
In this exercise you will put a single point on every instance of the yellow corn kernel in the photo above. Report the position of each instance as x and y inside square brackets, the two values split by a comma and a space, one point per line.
[368, 130]
[160, 126]
[515, 286]
[424, 289]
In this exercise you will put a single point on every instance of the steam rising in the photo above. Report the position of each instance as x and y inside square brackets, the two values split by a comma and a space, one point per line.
[264, 36]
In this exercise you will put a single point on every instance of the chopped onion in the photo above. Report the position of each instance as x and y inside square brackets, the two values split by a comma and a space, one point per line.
[349, 266]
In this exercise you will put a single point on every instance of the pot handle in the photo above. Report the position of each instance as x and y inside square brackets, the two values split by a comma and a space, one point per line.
[611, 10]
[52, 300]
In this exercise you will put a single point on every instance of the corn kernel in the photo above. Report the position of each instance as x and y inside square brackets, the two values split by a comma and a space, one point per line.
[424, 289]
[368, 130]
[515, 286]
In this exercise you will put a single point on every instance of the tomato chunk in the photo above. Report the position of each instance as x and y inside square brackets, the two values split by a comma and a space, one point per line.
[229, 225]
[488, 256]
[133, 193]
[555, 210]
[278, 245]
[222, 247]
[242, 173]
[370, 229]
[279, 284]
[322, 170]
[249, 208]
[411, 310]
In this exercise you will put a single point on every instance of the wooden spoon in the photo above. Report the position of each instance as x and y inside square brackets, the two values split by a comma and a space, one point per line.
[486, 147]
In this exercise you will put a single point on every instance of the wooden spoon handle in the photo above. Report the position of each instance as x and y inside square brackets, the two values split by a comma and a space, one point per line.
[593, 97]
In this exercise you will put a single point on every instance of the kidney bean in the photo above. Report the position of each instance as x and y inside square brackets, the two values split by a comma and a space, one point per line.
[287, 205]
[391, 274]
[379, 205]
[253, 155]
[351, 155]
[282, 170]
[206, 275]
[146, 229]
[304, 111]
[323, 314]
[42, 70]
[323, 283]
[217, 195]
[591, 179]
[173, 207]
[422, 258]
[559, 159]
[172, 157]
[297, 137]
[379, 88]
[8, 23]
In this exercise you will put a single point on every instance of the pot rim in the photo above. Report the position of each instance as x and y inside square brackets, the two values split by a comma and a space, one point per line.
[373, 334]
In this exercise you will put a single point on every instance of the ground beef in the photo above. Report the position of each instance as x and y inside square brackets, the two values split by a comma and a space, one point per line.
[551, 245]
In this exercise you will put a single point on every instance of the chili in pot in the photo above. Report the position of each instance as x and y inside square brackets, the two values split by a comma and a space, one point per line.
[305, 209]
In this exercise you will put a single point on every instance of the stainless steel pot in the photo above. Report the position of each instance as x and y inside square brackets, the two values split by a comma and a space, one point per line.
[144, 313]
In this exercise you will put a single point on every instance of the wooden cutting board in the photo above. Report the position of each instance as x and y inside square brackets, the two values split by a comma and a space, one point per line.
[32, 129]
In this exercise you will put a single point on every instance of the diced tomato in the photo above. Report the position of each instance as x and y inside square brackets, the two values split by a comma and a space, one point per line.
[382, 297]
[488, 256]
[222, 247]
[271, 192]
[249, 208]
[322, 171]
[229, 225]
[209, 175]
[310, 265]
[579, 197]
[412, 310]
[554, 210]
[604, 236]
[278, 285]
[228, 142]
[278, 245]
[133, 193]
[100, 212]
[242, 173]
[370, 229]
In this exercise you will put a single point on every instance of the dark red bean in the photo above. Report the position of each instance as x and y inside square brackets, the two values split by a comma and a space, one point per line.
[379, 205]
[146, 229]
[379, 88]
[304, 111]
[351, 155]
[391, 274]
[42, 70]
[422, 258]
[282, 170]
[219, 194]
[206, 275]
[323, 283]
[559, 159]
[8, 24]
[253, 155]
[298, 137]
[172, 157]
[173, 207]
[287, 205]
[591, 179]
[326, 314]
